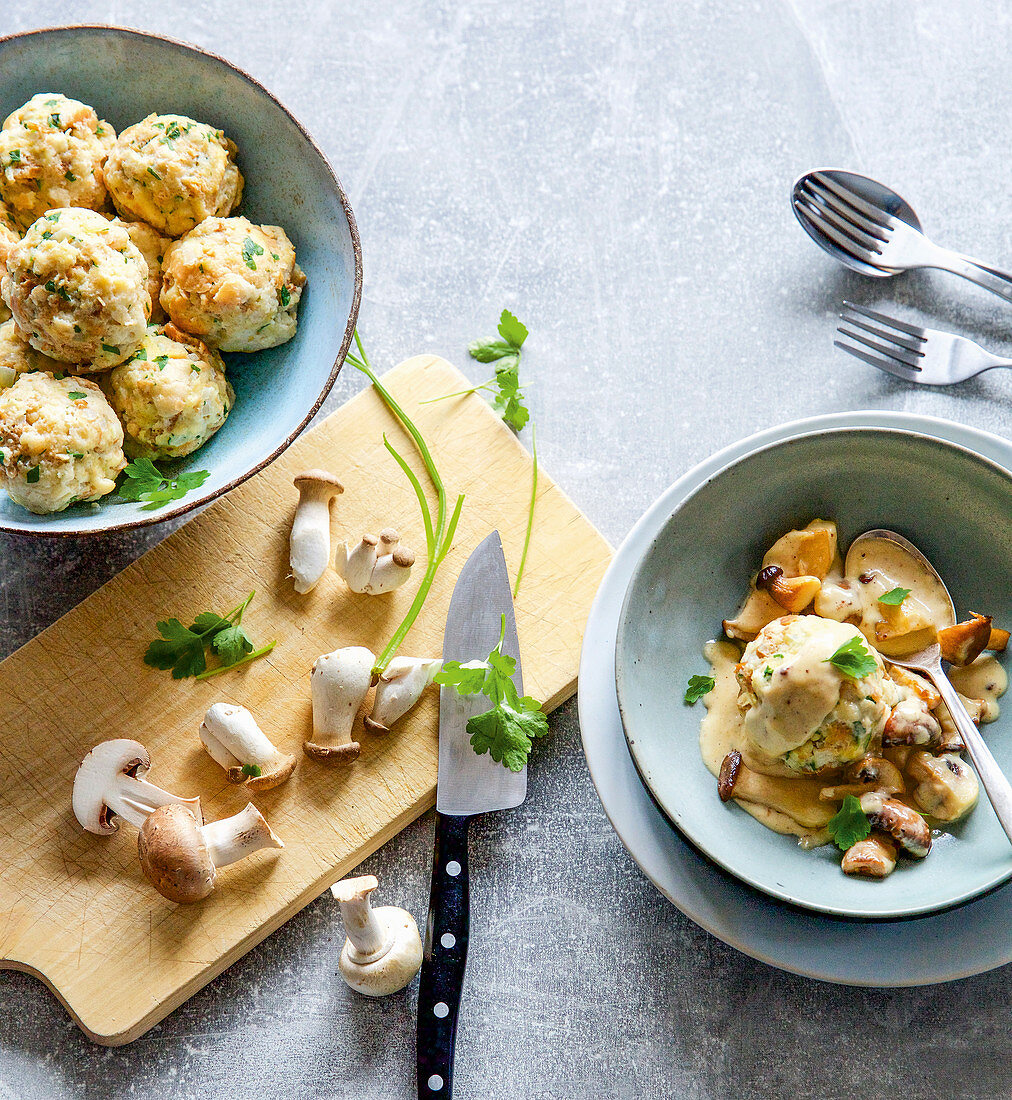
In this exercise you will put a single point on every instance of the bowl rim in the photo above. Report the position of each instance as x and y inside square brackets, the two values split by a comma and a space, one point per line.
[896, 914]
[199, 501]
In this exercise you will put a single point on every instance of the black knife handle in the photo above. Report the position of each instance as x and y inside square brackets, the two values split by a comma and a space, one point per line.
[444, 959]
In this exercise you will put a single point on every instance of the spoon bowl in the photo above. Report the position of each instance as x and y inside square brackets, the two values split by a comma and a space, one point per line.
[928, 662]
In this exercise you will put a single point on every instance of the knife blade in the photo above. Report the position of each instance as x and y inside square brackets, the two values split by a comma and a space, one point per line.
[466, 784]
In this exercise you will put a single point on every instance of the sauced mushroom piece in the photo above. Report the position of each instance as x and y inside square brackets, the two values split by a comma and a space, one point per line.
[965, 642]
[728, 777]
[911, 723]
[904, 825]
[872, 773]
[875, 856]
[946, 788]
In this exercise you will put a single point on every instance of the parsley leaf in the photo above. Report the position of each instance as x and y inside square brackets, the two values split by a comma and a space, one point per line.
[76, 395]
[508, 730]
[853, 660]
[285, 296]
[894, 597]
[183, 649]
[32, 477]
[144, 481]
[511, 330]
[698, 686]
[250, 248]
[508, 401]
[849, 824]
[251, 770]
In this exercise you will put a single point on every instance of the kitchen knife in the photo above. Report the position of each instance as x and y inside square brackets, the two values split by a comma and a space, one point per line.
[467, 784]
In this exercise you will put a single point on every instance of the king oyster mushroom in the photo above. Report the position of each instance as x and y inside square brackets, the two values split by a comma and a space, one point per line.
[339, 683]
[180, 857]
[110, 784]
[233, 739]
[400, 686]
[375, 565]
[309, 545]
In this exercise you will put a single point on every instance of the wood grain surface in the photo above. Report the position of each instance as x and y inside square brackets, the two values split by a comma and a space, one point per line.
[74, 907]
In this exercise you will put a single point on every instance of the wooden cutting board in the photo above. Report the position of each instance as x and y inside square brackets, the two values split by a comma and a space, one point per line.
[74, 907]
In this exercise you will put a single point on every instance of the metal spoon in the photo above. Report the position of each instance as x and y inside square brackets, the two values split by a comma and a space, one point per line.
[929, 662]
[869, 228]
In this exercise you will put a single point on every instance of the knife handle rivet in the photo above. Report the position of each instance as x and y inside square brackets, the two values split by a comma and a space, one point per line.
[453, 868]
[435, 1083]
[441, 1009]
[448, 939]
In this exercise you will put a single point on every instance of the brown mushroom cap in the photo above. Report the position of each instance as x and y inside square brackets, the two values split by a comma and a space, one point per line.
[332, 754]
[328, 485]
[173, 855]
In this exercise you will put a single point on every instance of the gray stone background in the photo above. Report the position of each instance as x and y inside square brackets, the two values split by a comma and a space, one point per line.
[618, 175]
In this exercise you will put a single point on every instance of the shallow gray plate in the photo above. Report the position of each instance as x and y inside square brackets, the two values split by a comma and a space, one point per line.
[693, 574]
[126, 75]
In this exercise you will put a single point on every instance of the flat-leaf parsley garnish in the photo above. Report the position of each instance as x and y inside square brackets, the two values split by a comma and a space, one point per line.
[894, 597]
[144, 481]
[509, 729]
[849, 824]
[853, 660]
[698, 686]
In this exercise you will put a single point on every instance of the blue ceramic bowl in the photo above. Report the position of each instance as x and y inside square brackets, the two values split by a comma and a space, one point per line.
[953, 504]
[126, 75]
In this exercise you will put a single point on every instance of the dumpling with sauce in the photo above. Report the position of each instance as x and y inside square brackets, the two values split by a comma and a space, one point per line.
[804, 710]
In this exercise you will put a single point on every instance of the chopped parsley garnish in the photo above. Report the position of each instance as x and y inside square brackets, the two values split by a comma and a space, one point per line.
[140, 353]
[853, 660]
[250, 248]
[161, 360]
[15, 156]
[698, 686]
[152, 172]
[54, 120]
[849, 824]
[76, 454]
[76, 395]
[55, 217]
[46, 234]
[33, 475]
[894, 597]
[767, 673]
[111, 349]
[70, 177]
[285, 297]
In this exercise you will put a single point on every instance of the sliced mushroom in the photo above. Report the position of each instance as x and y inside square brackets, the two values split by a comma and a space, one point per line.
[911, 723]
[795, 798]
[793, 594]
[759, 610]
[233, 739]
[875, 857]
[947, 787]
[110, 784]
[310, 539]
[904, 825]
[871, 773]
[729, 768]
[806, 552]
[180, 857]
[339, 685]
[915, 684]
[966, 641]
[998, 641]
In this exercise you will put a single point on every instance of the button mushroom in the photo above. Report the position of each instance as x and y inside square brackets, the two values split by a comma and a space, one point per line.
[946, 788]
[383, 951]
[400, 686]
[109, 784]
[339, 684]
[235, 741]
[870, 773]
[875, 856]
[375, 565]
[904, 825]
[911, 723]
[181, 857]
[309, 545]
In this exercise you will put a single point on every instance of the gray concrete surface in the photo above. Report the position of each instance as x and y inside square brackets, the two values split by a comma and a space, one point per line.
[618, 175]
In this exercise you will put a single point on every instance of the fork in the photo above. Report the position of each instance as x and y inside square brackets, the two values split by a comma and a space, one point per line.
[864, 232]
[926, 356]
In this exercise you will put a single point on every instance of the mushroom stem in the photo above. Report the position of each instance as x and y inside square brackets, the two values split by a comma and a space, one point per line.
[339, 685]
[309, 545]
[233, 739]
[133, 799]
[400, 686]
[367, 935]
[233, 838]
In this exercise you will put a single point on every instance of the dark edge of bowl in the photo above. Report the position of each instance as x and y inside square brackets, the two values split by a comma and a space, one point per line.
[783, 898]
[189, 506]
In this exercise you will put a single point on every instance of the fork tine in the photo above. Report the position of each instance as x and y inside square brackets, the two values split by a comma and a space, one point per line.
[895, 369]
[842, 218]
[877, 214]
[870, 229]
[913, 346]
[848, 244]
[892, 322]
[890, 350]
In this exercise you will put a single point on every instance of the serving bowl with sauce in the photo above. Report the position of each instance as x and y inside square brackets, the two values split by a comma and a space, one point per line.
[951, 503]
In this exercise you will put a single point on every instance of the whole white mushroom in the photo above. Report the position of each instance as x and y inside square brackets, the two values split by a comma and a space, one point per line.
[383, 951]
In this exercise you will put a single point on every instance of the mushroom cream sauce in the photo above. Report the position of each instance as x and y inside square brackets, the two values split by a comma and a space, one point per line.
[793, 805]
